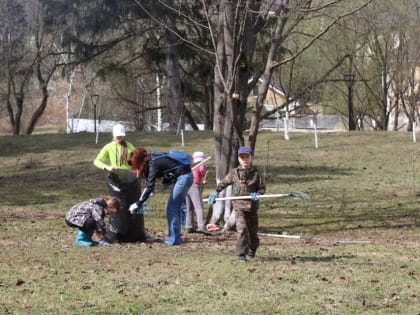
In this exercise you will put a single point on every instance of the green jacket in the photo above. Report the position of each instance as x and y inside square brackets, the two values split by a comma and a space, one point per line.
[110, 155]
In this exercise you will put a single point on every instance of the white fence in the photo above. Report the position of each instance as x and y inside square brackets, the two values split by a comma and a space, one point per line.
[323, 122]
[87, 125]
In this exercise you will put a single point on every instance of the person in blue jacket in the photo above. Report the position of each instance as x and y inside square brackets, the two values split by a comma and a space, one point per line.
[155, 166]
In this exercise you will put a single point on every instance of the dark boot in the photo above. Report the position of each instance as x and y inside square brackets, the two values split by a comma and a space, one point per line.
[251, 254]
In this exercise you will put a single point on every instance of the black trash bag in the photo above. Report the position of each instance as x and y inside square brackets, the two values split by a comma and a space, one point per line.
[123, 226]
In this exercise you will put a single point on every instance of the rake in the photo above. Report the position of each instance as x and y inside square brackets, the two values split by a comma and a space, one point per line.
[296, 194]
[202, 162]
[299, 237]
[310, 238]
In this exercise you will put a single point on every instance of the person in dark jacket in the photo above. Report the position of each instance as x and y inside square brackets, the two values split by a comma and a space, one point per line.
[88, 216]
[155, 166]
[247, 182]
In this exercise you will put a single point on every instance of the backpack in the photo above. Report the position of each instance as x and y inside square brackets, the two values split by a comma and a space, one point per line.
[183, 159]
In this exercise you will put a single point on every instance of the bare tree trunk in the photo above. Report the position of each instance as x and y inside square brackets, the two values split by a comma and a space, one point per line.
[15, 117]
[38, 113]
[397, 112]
[385, 90]
[191, 120]
[225, 141]
[208, 116]
[175, 99]
[266, 77]
[226, 144]
[43, 83]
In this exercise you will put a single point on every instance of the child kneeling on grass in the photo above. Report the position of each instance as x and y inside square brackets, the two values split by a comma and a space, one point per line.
[88, 216]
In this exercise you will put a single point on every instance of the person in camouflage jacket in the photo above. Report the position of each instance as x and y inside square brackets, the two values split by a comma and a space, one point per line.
[246, 181]
[88, 216]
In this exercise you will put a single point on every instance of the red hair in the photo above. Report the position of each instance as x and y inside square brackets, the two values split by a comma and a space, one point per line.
[138, 160]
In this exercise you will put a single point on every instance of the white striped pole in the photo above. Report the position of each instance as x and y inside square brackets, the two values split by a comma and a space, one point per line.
[292, 194]
[202, 162]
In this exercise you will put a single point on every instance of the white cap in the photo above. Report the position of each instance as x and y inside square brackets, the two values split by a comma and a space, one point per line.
[118, 131]
[198, 157]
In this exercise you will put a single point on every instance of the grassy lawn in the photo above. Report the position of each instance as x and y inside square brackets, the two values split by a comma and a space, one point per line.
[359, 252]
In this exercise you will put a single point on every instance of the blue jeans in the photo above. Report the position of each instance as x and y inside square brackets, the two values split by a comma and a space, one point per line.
[184, 213]
[174, 207]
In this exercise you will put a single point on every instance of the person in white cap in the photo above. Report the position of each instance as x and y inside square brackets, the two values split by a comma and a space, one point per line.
[114, 155]
[194, 198]
[122, 183]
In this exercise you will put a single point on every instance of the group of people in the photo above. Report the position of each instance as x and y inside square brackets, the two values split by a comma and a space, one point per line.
[127, 165]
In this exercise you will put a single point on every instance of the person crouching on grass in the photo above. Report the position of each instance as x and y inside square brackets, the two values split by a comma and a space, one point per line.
[247, 181]
[88, 216]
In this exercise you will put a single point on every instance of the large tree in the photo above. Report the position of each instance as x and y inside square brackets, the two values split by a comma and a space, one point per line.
[236, 34]
[241, 27]
[157, 31]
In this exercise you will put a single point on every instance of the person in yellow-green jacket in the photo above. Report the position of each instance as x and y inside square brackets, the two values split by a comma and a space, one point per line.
[124, 184]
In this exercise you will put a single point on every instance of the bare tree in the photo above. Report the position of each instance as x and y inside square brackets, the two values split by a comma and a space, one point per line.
[30, 61]
[15, 77]
[240, 24]
[238, 27]
[406, 84]
[379, 41]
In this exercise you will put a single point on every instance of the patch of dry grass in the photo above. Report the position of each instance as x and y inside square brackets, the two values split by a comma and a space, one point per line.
[363, 186]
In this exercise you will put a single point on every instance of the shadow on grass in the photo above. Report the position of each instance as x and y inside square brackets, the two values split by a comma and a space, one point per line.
[43, 143]
[304, 174]
[47, 142]
[399, 215]
[305, 259]
[47, 185]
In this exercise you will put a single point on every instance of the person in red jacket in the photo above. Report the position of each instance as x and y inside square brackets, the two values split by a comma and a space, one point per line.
[194, 196]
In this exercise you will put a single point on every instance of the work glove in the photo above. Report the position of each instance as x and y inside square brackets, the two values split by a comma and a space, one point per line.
[138, 208]
[144, 208]
[109, 168]
[134, 206]
[212, 198]
[103, 242]
[255, 196]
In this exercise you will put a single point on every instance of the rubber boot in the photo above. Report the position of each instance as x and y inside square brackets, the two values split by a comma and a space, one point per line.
[83, 238]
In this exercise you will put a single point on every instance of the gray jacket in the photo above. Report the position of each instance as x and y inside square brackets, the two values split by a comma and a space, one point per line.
[95, 208]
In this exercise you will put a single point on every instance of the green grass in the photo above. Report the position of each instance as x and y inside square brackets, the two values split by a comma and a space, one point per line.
[363, 187]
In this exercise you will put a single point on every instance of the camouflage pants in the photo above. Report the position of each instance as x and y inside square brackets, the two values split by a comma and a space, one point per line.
[247, 228]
